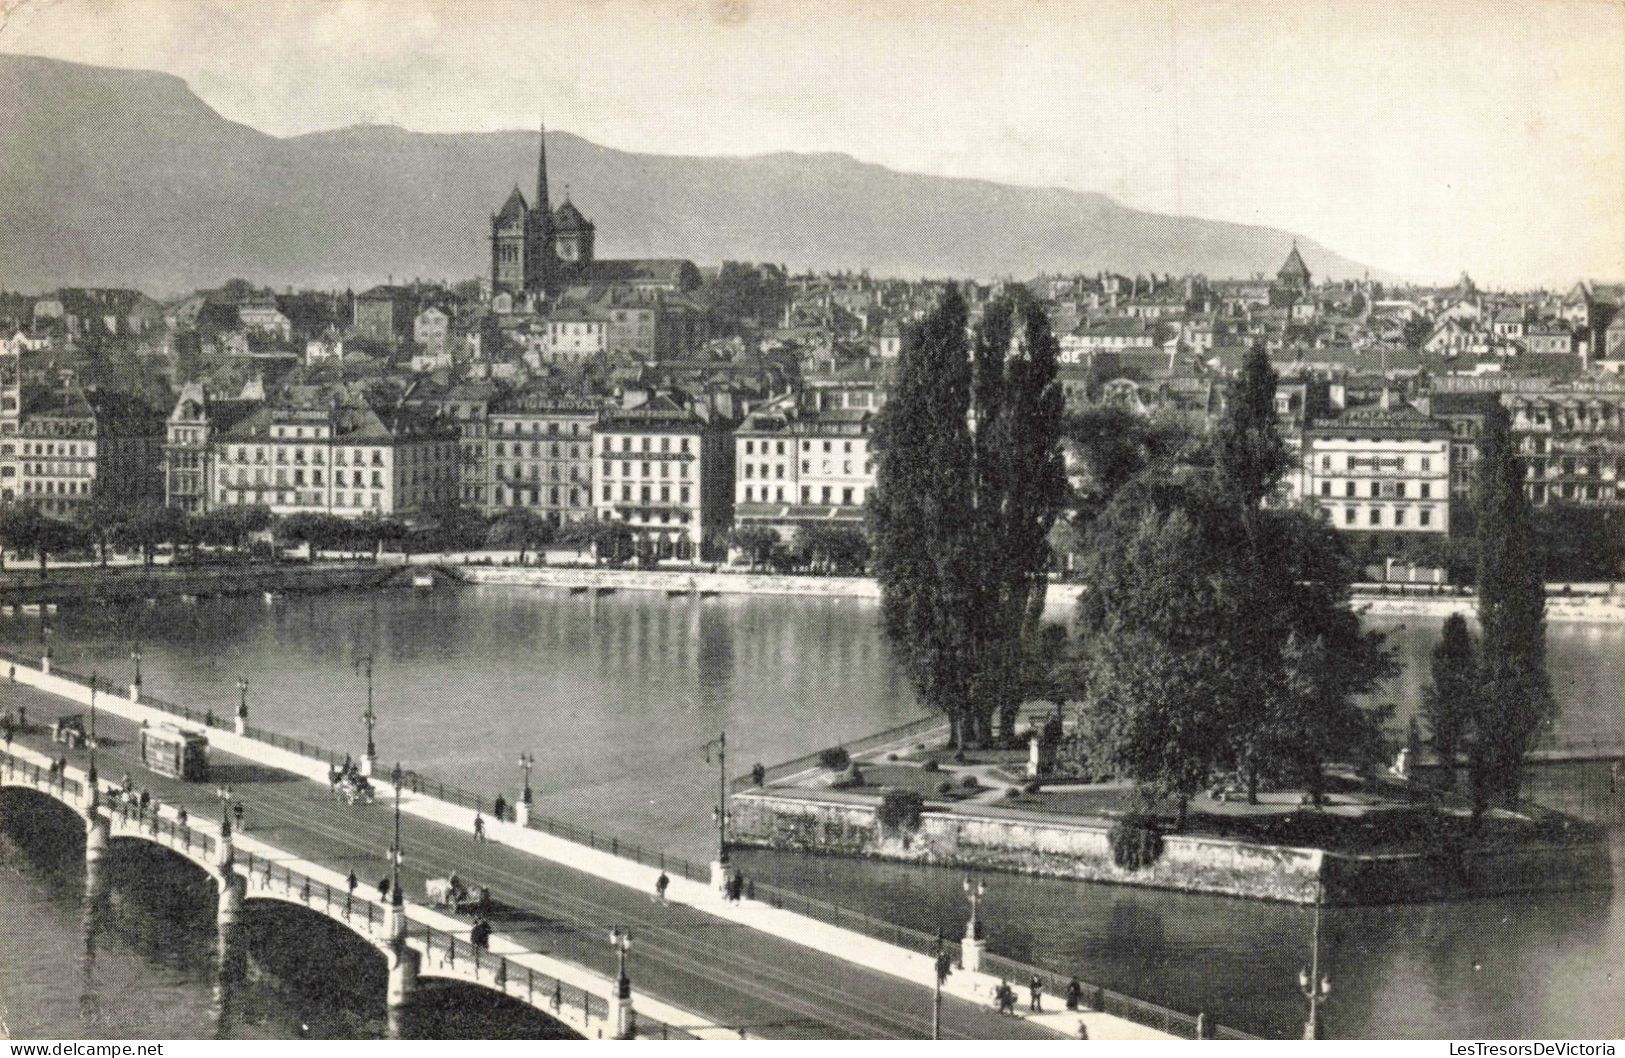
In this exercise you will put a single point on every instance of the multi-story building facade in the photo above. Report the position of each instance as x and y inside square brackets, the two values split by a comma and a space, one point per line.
[798, 466]
[1379, 469]
[386, 313]
[666, 469]
[540, 454]
[575, 334]
[1570, 435]
[195, 422]
[71, 452]
[339, 456]
[652, 329]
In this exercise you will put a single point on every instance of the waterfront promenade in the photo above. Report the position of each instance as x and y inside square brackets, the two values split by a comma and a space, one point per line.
[721, 968]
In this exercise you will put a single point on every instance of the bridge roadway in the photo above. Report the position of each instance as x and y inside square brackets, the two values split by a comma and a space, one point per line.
[748, 980]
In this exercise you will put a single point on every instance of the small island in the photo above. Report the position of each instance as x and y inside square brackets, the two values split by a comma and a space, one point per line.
[1211, 719]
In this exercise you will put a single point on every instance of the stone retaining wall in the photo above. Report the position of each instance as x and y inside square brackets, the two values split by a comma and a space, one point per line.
[1059, 601]
[1063, 849]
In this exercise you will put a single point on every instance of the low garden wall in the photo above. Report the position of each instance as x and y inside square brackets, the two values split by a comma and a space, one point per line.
[849, 825]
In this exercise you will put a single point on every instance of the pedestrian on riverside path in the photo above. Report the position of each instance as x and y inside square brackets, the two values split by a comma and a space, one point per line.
[498, 807]
[1035, 990]
[661, 884]
[480, 935]
[1074, 994]
[351, 881]
[237, 815]
[479, 827]
[1006, 998]
[181, 817]
[141, 805]
[383, 890]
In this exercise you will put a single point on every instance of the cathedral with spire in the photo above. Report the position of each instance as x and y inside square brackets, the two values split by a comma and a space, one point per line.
[536, 249]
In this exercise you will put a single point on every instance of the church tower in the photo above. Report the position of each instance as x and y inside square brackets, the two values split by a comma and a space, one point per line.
[522, 237]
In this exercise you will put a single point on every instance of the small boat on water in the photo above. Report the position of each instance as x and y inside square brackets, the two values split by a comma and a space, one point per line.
[272, 596]
[606, 591]
[676, 593]
[709, 594]
[579, 590]
[187, 598]
[50, 607]
[30, 607]
[423, 580]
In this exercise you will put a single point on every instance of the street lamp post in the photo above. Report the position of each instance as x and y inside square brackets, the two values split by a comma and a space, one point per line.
[719, 869]
[1314, 985]
[621, 941]
[135, 685]
[370, 719]
[242, 705]
[521, 811]
[396, 898]
[90, 775]
[975, 943]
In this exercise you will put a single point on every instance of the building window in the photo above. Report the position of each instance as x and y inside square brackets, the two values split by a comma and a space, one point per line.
[1349, 514]
[1425, 516]
[1348, 489]
[1376, 516]
[1325, 488]
[1399, 516]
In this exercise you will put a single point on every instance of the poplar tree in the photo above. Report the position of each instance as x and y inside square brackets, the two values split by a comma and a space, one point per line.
[1515, 704]
[922, 513]
[1449, 701]
[969, 480]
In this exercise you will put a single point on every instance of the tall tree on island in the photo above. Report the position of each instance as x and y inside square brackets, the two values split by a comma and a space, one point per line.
[1515, 704]
[1449, 702]
[922, 513]
[1020, 488]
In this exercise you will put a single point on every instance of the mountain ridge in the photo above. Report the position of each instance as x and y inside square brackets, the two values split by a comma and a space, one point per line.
[127, 177]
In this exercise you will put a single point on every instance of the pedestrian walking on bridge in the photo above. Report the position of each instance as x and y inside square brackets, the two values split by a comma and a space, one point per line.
[661, 885]
[1035, 991]
[479, 827]
[383, 890]
[499, 807]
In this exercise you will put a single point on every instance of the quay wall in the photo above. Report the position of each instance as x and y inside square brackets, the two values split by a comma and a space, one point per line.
[125, 583]
[848, 825]
[1061, 598]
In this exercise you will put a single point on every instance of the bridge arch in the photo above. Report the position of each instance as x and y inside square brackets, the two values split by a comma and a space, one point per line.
[356, 922]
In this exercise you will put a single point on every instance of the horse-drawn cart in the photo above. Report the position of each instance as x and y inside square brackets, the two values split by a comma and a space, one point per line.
[454, 895]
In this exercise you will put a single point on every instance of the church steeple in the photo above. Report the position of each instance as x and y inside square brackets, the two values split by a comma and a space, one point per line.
[542, 202]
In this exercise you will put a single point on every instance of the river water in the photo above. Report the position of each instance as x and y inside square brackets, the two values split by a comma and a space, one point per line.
[615, 696]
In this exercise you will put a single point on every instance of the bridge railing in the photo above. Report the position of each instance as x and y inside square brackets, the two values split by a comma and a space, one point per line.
[38, 777]
[266, 873]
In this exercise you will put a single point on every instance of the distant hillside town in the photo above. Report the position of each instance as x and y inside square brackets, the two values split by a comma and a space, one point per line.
[680, 411]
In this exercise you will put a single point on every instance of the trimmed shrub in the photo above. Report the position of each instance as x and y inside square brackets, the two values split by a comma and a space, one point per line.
[1012, 792]
[1136, 842]
[969, 782]
[945, 787]
[1032, 786]
[891, 756]
[835, 758]
[932, 765]
[900, 810]
[959, 756]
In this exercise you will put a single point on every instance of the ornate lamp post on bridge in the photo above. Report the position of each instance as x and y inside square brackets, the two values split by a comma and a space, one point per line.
[719, 868]
[90, 775]
[975, 943]
[396, 899]
[521, 811]
[1315, 986]
[135, 685]
[625, 1023]
[242, 706]
[370, 760]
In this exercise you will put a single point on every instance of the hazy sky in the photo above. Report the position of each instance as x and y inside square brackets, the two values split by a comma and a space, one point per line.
[1423, 137]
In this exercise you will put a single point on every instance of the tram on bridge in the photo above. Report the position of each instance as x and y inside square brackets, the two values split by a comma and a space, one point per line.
[178, 754]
